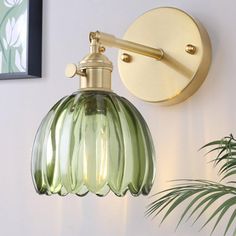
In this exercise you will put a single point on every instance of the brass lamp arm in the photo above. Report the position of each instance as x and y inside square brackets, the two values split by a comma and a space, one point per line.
[111, 41]
[184, 53]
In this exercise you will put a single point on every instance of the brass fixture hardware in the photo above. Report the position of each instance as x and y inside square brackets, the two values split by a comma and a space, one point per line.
[111, 41]
[179, 74]
[102, 49]
[126, 57]
[161, 71]
[191, 49]
[72, 70]
[95, 69]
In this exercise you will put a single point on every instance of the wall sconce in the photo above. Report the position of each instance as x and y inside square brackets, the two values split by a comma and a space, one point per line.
[95, 140]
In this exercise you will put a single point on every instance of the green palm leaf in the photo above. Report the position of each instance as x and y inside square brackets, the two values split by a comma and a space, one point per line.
[204, 194]
[226, 148]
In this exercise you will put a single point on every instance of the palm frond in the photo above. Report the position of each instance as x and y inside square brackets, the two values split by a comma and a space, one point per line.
[201, 194]
[226, 156]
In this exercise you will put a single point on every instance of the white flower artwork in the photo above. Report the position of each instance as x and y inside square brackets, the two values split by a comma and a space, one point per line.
[0, 61]
[12, 3]
[13, 36]
[20, 60]
[20, 39]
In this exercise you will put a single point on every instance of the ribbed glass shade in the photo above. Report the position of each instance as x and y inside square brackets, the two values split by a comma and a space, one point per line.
[93, 141]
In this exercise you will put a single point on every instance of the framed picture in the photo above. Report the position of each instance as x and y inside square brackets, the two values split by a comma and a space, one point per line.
[20, 39]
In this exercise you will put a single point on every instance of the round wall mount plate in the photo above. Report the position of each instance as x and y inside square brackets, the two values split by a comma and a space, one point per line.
[186, 61]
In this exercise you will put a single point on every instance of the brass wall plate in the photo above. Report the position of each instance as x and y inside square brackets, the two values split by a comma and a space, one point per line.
[186, 61]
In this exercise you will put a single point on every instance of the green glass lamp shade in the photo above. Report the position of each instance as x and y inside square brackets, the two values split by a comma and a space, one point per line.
[93, 141]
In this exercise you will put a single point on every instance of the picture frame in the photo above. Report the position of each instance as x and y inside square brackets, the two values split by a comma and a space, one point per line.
[20, 39]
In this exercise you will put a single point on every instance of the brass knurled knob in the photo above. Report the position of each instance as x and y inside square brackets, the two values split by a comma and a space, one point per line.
[72, 70]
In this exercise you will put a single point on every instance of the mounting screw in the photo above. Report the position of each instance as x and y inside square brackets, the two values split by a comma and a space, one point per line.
[126, 57]
[102, 49]
[191, 49]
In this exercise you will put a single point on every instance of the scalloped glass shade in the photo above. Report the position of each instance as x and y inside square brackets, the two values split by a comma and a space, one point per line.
[93, 141]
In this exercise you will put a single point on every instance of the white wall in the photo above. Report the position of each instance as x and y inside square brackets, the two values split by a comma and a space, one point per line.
[178, 130]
